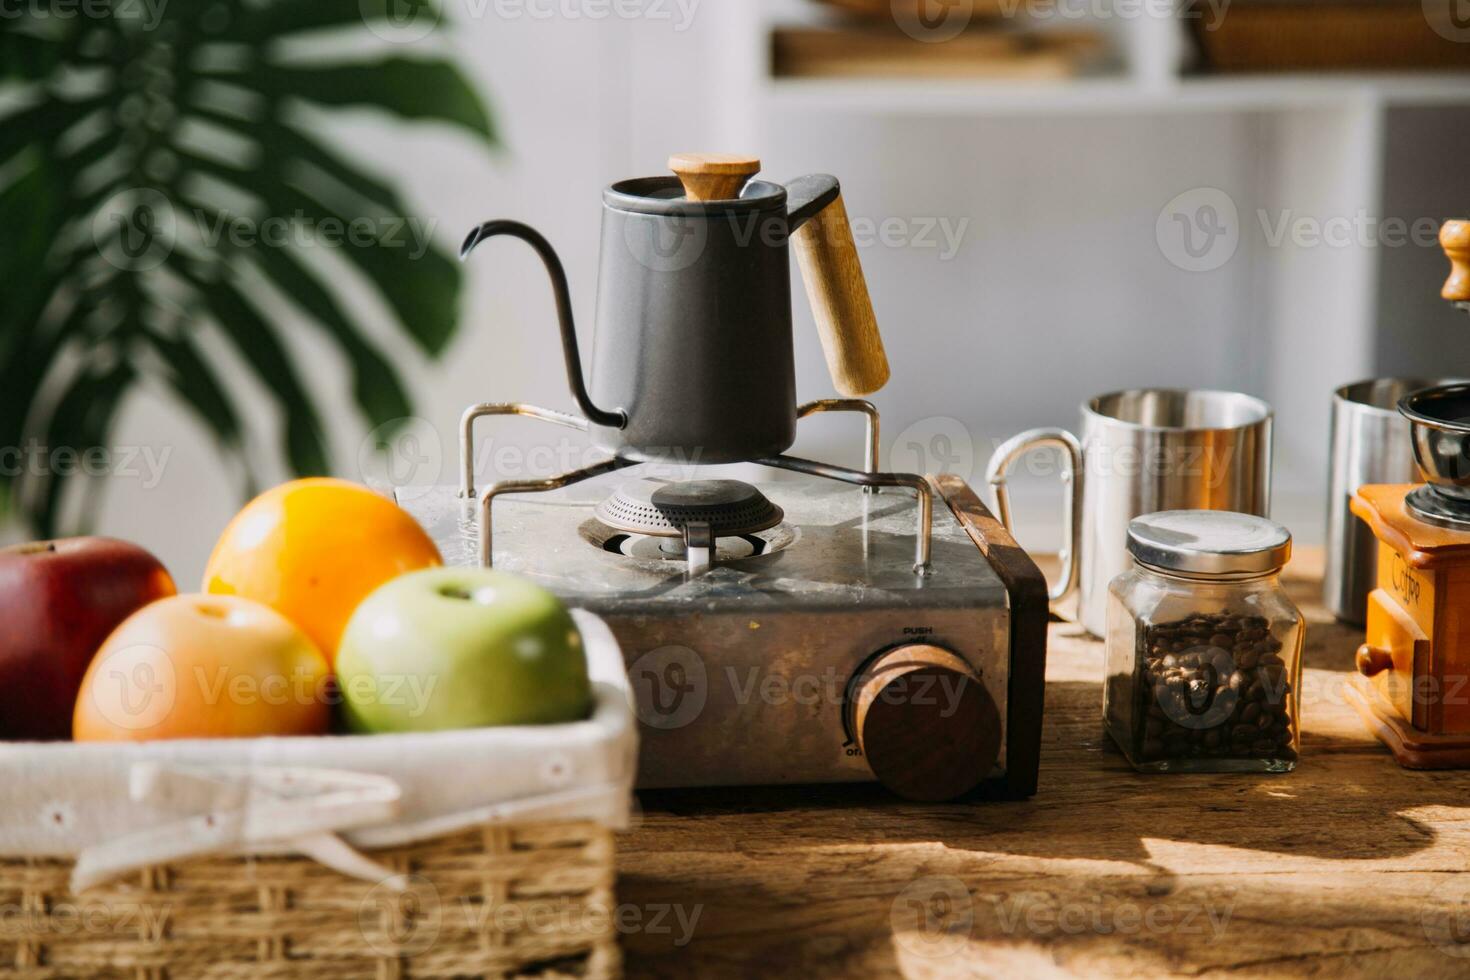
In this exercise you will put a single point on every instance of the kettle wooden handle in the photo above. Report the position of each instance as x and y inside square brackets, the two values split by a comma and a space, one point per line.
[829, 266]
[840, 302]
[1454, 238]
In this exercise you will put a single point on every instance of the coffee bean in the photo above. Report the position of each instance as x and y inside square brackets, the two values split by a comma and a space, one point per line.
[1178, 674]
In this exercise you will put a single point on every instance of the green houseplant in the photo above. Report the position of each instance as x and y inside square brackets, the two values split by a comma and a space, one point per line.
[147, 150]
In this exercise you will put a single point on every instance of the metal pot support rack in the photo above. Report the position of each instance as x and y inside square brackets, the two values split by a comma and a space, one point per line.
[698, 538]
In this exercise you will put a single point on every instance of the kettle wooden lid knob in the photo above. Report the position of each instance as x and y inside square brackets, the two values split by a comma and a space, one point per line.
[1454, 238]
[713, 176]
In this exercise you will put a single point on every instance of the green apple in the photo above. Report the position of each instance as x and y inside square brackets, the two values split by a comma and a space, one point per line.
[448, 648]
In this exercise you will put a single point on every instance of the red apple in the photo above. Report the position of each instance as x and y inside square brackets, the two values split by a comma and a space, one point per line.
[58, 601]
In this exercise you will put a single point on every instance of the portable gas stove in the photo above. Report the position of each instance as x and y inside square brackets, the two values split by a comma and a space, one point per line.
[835, 627]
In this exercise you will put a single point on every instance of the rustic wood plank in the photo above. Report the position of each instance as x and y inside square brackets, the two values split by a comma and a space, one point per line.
[1349, 866]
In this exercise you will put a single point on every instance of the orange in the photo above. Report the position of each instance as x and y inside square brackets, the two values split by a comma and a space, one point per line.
[203, 666]
[313, 549]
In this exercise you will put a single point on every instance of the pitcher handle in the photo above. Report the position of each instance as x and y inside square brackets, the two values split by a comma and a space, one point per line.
[995, 474]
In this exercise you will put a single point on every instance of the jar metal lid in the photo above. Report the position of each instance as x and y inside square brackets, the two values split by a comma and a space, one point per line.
[1209, 542]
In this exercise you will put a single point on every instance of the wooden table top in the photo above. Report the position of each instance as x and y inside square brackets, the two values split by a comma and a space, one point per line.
[1348, 866]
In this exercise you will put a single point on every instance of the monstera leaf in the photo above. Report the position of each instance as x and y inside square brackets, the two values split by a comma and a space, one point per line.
[165, 185]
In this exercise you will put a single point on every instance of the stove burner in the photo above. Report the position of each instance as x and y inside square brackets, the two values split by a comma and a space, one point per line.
[1437, 509]
[672, 549]
[660, 509]
[701, 511]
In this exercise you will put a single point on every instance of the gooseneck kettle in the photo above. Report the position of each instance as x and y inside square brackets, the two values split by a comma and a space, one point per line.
[692, 354]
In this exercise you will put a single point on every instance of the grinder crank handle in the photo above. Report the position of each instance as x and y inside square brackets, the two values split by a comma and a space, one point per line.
[1454, 238]
[995, 474]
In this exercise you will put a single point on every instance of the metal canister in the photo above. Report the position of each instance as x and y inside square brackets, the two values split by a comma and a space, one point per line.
[1370, 444]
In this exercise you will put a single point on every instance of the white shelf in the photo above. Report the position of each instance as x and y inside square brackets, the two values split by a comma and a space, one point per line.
[1115, 94]
[1315, 147]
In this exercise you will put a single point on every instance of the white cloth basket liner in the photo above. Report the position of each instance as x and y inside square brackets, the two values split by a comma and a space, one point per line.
[104, 803]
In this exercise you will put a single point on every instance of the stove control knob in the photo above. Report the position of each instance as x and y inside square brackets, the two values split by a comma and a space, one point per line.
[925, 722]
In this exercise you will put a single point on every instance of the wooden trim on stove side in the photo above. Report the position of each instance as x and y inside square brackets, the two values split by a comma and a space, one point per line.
[1030, 612]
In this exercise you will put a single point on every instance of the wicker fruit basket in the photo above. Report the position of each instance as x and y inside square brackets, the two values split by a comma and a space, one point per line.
[479, 853]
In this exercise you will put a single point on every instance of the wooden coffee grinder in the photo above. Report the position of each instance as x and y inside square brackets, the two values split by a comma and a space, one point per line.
[1412, 688]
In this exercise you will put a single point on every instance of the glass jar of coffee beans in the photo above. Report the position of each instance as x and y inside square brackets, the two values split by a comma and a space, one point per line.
[1203, 646]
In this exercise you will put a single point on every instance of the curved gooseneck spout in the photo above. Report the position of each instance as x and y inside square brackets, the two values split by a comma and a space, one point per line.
[615, 419]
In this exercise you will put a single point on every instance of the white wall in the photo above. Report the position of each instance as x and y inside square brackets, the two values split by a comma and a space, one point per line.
[1058, 291]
